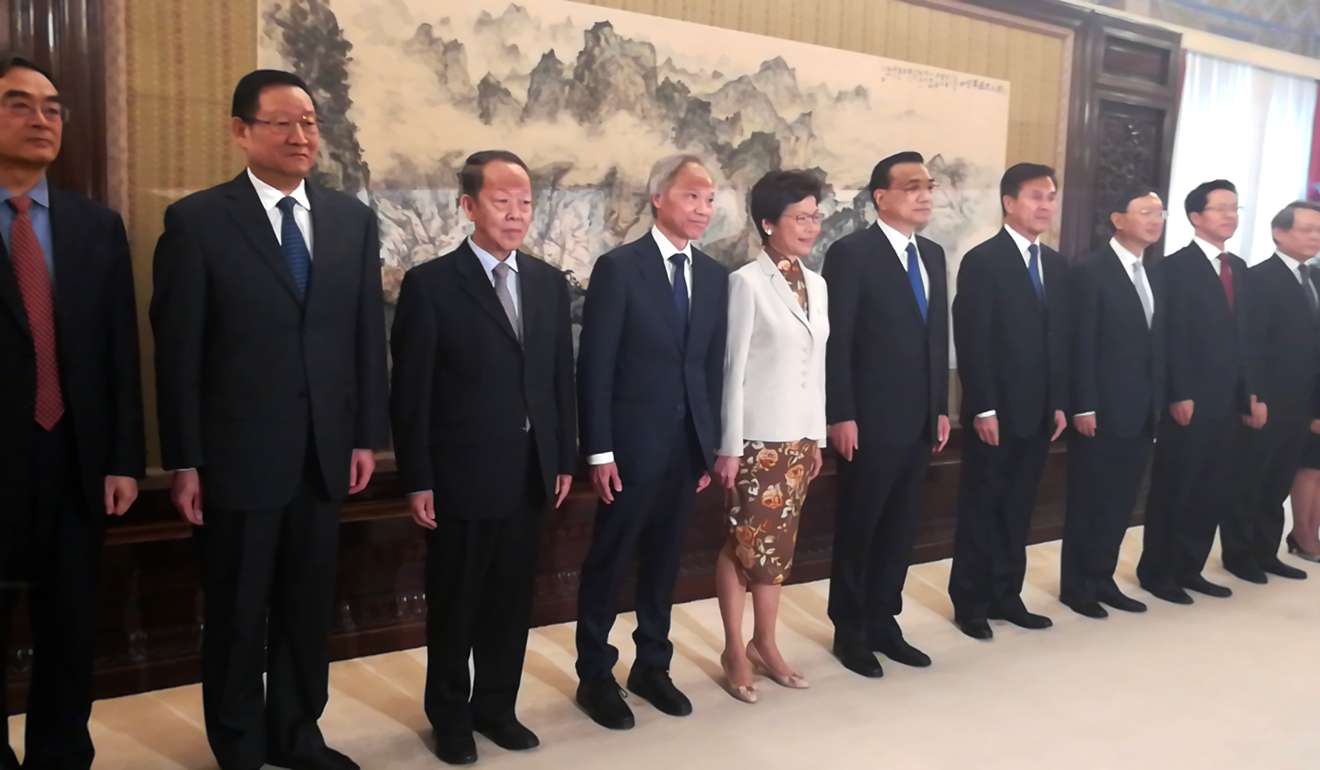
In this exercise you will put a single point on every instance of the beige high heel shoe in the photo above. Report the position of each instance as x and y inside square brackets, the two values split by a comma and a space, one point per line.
[792, 680]
[744, 692]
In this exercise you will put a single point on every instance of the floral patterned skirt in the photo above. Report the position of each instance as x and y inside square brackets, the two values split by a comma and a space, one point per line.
[771, 485]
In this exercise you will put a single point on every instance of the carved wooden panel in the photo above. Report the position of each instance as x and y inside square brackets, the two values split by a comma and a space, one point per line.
[1131, 137]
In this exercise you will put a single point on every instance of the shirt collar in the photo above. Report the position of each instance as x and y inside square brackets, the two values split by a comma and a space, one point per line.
[1210, 250]
[40, 194]
[1292, 264]
[1021, 240]
[896, 239]
[270, 196]
[1126, 257]
[667, 248]
[489, 261]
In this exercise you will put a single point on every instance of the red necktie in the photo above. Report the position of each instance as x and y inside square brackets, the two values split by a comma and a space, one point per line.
[1226, 278]
[38, 300]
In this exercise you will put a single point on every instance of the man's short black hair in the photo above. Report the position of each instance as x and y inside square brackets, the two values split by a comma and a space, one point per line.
[1018, 174]
[1199, 197]
[881, 177]
[473, 174]
[247, 94]
[778, 190]
[1117, 202]
[11, 59]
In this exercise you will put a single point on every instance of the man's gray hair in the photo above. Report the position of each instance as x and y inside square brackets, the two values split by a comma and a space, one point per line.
[664, 171]
[1284, 219]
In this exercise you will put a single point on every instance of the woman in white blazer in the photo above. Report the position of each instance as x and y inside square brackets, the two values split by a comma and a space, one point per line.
[773, 420]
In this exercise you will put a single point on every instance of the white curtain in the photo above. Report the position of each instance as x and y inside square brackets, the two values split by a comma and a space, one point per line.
[1250, 126]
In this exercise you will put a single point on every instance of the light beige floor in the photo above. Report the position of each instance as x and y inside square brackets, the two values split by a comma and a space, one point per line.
[1226, 684]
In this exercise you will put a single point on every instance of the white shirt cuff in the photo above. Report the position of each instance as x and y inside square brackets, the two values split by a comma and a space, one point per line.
[181, 470]
[419, 492]
[604, 458]
[1084, 414]
[990, 413]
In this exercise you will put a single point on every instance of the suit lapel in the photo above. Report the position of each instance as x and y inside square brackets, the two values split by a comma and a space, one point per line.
[891, 265]
[478, 286]
[251, 220]
[935, 279]
[1018, 266]
[66, 242]
[532, 303]
[782, 289]
[10, 295]
[1116, 272]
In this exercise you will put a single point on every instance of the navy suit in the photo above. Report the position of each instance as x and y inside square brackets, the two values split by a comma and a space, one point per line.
[650, 392]
[1193, 483]
[888, 369]
[1118, 373]
[1012, 358]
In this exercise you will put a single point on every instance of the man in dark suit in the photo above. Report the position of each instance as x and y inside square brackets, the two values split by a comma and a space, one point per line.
[70, 413]
[270, 371]
[1010, 327]
[650, 371]
[1193, 484]
[887, 384]
[1283, 330]
[485, 434]
[1117, 382]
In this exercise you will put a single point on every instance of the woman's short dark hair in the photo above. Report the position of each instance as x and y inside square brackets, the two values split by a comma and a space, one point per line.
[473, 174]
[247, 94]
[778, 190]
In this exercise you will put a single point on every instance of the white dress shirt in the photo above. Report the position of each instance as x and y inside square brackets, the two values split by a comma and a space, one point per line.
[302, 212]
[1129, 261]
[667, 250]
[900, 243]
[1023, 243]
[489, 262]
[1211, 251]
[1294, 265]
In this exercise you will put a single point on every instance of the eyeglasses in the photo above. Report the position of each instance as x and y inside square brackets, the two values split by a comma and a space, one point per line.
[1226, 209]
[1152, 213]
[803, 220]
[307, 123]
[24, 109]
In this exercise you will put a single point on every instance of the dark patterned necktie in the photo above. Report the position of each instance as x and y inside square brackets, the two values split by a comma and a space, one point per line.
[680, 295]
[294, 248]
[39, 302]
[1226, 278]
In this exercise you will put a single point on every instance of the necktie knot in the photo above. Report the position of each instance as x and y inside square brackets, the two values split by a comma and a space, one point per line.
[678, 259]
[286, 205]
[20, 203]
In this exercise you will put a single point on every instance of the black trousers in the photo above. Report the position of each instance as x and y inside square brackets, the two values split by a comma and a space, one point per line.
[1104, 477]
[874, 526]
[1192, 489]
[648, 520]
[269, 583]
[1268, 459]
[996, 494]
[479, 575]
[52, 553]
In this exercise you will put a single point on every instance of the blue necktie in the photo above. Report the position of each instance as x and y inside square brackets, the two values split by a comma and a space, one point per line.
[680, 295]
[294, 248]
[1033, 267]
[914, 278]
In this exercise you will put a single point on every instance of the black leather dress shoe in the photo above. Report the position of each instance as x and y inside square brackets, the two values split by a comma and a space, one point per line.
[510, 736]
[326, 759]
[977, 629]
[1277, 567]
[1120, 601]
[455, 749]
[1202, 586]
[1023, 619]
[898, 650]
[1089, 609]
[855, 657]
[1248, 572]
[603, 701]
[1172, 594]
[655, 686]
